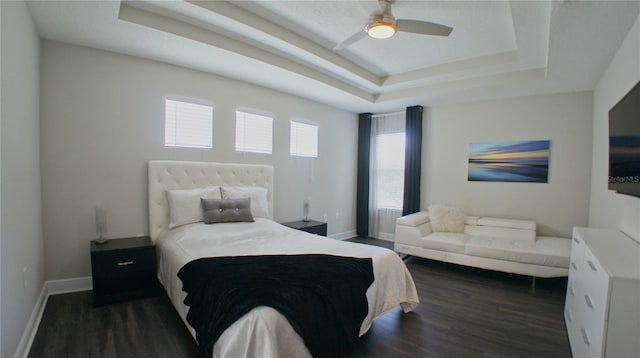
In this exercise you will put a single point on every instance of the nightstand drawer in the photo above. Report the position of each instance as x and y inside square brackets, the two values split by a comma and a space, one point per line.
[318, 229]
[121, 263]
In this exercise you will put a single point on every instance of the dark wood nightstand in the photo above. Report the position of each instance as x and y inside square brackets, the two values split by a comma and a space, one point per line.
[123, 269]
[314, 227]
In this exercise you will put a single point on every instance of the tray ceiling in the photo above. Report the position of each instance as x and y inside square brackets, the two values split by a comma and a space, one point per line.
[496, 49]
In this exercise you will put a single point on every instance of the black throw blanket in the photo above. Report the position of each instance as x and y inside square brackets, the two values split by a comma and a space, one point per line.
[322, 296]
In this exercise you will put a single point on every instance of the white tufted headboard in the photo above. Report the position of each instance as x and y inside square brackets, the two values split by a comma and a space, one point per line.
[169, 174]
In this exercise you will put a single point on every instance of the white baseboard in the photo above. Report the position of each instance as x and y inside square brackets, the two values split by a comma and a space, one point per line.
[343, 235]
[56, 287]
[24, 346]
[52, 287]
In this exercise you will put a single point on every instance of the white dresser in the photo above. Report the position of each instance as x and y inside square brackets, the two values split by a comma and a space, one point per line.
[602, 309]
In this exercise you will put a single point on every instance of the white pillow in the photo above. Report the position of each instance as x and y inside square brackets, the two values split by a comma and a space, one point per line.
[185, 207]
[258, 196]
[446, 218]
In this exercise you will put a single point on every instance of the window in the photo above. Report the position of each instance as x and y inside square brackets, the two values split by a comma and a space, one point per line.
[188, 125]
[304, 140]
[390, 170]
[254, 132]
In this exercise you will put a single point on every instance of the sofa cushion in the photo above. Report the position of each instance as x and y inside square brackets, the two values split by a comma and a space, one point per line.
[546, 251]
[508, 223]
[471, 220]
[446, 218]
[445, 241]
[500, 233]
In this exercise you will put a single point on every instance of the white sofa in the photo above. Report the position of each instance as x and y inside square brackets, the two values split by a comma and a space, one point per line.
[489, 243]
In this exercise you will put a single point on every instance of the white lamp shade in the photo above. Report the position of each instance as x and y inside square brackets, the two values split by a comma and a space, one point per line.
[101, 222]
[306, 208]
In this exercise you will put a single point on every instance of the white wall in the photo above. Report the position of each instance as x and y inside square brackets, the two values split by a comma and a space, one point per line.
[21, 231]
[102, 120]
[564, 119]
[608, 209]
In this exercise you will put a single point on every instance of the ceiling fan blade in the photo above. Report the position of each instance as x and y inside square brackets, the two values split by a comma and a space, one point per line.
[351, 40]
[423, 27]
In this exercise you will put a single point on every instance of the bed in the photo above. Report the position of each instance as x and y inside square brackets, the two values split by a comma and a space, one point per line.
[263, 332]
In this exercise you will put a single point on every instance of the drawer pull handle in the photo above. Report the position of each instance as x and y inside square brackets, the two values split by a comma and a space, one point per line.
[592, 265]
[569, 316]
[125, 263]
[576, 240]
[588, 299]
[573, 264]
[585, 336]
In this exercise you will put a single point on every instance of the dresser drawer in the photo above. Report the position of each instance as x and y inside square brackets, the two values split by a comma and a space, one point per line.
[570, 316]
[572, 305]
[576, 261]
[587, 342]
[577, 249]
[579, 347]
[595, 288]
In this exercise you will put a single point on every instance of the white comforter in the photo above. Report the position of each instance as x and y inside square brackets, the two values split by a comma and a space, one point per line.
[264, 332]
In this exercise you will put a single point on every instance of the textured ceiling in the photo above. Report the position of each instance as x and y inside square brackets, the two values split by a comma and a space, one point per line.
[480, 28]
[496, 49]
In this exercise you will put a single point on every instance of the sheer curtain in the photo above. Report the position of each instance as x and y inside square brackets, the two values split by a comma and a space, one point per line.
[386, 173]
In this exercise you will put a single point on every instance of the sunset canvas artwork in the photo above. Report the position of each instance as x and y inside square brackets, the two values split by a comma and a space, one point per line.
[514, 161]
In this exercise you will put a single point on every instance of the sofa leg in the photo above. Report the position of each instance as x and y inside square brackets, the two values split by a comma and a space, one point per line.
[533, 283]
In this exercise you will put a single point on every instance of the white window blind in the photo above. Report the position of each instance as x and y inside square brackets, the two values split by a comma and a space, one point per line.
[390, 169]
[188, 125]
[304, 140]
[254, 132]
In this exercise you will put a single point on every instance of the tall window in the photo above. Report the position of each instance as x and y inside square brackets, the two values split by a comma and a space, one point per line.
[304, 139]
[386, 173]
[390, 170]
[188, 124]
[254, 132]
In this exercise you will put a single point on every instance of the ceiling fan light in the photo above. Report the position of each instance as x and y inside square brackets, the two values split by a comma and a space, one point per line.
[381, 30]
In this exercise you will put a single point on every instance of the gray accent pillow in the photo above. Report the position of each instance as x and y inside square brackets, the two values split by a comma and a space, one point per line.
[226, 210]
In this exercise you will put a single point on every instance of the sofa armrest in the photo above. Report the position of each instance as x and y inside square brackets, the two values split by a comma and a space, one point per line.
[410, 229]
[414, 219]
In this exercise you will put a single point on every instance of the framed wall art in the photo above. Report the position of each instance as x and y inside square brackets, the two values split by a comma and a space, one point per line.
[512, 161]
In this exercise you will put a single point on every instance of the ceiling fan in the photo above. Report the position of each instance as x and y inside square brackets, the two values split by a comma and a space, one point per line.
[383, 25]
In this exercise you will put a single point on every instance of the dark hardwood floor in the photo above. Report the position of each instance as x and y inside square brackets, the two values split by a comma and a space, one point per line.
[464, 312]
[372, 241]
[150, 327]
